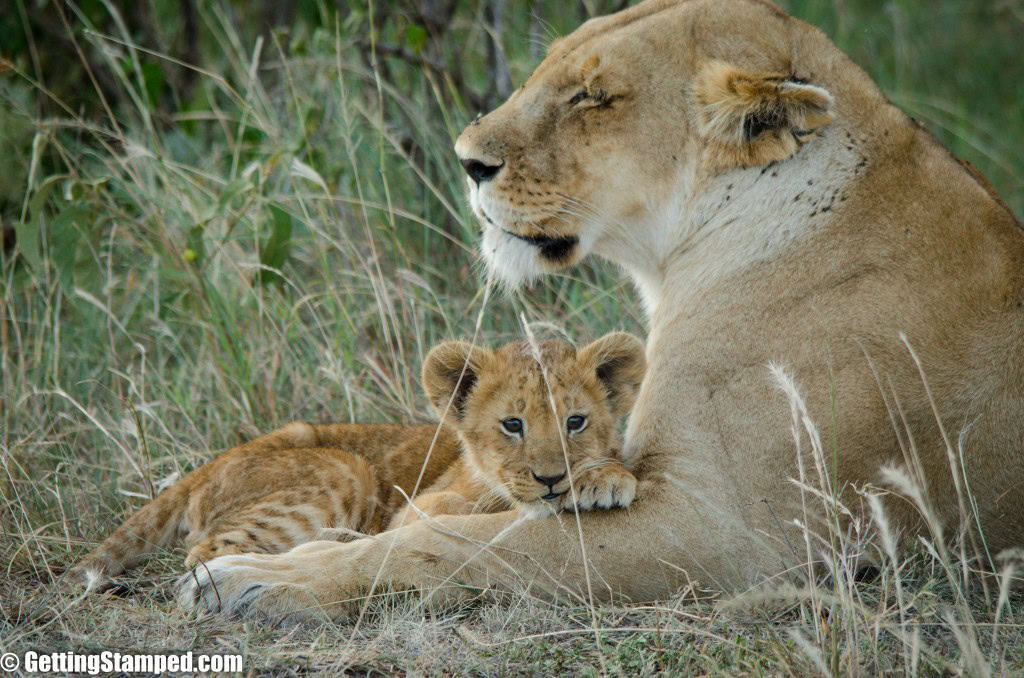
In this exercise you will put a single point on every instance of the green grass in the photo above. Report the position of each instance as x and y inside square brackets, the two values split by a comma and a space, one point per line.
[287, 244]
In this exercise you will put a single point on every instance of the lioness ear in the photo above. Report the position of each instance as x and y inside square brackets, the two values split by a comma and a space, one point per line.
[755, 119]
[619, 363]
[449, 374]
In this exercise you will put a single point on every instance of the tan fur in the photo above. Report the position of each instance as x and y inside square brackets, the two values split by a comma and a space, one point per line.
[811, 234]
[303, 481]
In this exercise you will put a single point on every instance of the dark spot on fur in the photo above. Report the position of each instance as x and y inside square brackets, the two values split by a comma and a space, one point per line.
[810, 182]
[426, 558]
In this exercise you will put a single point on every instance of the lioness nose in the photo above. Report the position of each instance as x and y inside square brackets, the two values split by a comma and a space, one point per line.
[480, 171]
[550, 481]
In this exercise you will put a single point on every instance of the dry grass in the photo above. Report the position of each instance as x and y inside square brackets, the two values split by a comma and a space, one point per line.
[153, 324]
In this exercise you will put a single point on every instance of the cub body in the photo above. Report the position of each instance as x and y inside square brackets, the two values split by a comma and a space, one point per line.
[502, 443]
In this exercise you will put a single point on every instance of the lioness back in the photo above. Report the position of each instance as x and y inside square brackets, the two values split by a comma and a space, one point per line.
[290, 486]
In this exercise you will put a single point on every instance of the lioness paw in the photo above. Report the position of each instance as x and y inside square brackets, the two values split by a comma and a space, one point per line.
[605, 487]
[273, 588]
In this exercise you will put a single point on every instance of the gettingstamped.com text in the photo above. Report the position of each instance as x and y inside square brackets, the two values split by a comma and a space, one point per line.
[110, 662]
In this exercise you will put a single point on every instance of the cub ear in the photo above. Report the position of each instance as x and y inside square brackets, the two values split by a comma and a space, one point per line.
[756, 119]
[449, 374]
[619, 363]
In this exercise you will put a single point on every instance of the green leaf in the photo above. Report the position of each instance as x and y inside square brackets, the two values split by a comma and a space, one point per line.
[195, 248]
[274, 250]
[233, 189]
[28, 232]
[416, 37]
[153, 79]
[64, 233]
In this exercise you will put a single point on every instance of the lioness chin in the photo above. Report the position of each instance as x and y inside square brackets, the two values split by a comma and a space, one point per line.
[771, 206]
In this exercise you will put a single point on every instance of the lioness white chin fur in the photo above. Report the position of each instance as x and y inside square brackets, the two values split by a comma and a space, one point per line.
[771, 206]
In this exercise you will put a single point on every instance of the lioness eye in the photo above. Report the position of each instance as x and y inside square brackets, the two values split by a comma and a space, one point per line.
[512, 425]
[575, 423]
[578, 97]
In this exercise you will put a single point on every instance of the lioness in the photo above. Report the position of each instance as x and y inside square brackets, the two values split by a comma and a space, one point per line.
[537, 426]
[771, 206]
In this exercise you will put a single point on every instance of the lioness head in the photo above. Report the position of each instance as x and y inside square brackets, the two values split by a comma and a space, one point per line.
[622, 114]
[521, 413]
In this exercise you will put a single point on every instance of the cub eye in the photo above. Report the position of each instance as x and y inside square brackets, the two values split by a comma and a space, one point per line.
[578, 97]
[512, 425]
[575, 423]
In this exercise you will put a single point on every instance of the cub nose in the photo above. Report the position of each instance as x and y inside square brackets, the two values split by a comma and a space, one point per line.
[480, 171]
[550, 481]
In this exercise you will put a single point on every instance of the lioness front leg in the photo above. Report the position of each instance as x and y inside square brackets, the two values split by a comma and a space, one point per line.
[628, 554]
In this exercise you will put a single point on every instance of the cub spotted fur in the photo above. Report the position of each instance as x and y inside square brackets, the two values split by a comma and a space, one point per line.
[520, 413]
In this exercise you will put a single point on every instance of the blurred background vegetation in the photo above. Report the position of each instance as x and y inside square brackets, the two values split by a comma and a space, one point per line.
[259, 199]
[219, 216]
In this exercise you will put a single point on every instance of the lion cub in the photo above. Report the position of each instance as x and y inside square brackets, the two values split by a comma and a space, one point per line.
[520, 414]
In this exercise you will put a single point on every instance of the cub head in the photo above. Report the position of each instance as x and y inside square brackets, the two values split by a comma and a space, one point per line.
[521, 413]
[623, 121]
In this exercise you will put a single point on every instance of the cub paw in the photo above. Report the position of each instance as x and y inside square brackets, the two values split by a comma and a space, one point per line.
[605, 487]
